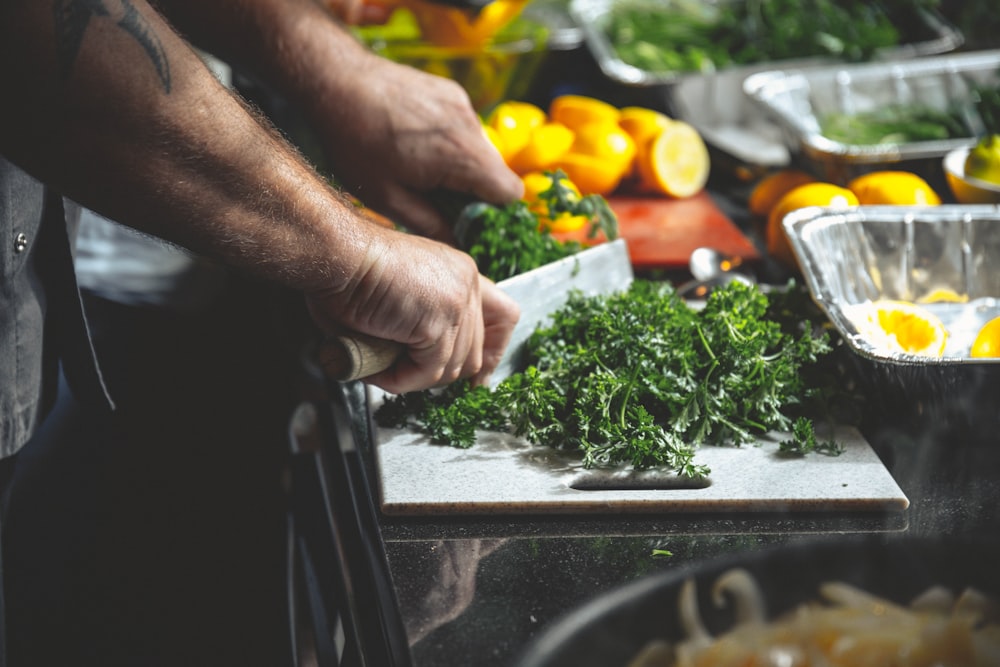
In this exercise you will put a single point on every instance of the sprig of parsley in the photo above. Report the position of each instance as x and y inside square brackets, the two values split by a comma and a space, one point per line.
[804, 441]
[640, 377]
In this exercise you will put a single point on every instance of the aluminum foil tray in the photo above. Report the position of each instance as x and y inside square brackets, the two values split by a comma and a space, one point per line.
[715, 102]
[797, 99]
[858, 255]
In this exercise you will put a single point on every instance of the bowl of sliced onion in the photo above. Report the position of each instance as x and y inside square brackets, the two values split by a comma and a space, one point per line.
[858, 600]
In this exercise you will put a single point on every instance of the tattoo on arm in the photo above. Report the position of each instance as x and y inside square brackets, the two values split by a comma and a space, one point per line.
[136, 25]
[72, 18]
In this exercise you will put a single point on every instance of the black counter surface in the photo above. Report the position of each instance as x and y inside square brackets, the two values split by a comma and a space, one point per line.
[454, 591]
[477, 590]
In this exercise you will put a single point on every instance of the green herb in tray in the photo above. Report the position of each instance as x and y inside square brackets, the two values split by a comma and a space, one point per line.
[693, 36]
[894, 124]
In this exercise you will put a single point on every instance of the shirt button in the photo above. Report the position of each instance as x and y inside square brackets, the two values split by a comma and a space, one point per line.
[20, 242]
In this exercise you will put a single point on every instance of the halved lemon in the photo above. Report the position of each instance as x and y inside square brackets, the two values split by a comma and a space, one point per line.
[987, 343]
[674, 162]
[900, 327]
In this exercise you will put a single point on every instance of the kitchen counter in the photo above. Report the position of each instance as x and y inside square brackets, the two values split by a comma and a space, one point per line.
[448, 590]
[476, 590]
[453, 590]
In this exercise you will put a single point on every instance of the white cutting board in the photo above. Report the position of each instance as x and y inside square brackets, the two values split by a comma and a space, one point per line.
[501, 474]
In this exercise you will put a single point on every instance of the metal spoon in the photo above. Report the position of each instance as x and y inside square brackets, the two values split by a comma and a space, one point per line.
[700, 289]
[707, 263]
[712, 268]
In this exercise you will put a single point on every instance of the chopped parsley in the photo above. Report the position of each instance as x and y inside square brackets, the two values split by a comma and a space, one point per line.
[641, 377]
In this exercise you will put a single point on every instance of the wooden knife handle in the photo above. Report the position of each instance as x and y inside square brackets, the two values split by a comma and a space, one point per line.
[354, 356]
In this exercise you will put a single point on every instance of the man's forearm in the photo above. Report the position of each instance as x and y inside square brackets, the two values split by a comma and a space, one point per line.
[117, 111]
[390, 133]
[294, 45]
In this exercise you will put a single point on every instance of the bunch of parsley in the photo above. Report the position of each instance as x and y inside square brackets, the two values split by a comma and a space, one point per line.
[640, 377]
[507, 241]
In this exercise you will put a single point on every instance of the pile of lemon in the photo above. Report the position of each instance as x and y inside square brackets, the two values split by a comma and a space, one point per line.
[780, 193]
[601, 147]
[893, 325]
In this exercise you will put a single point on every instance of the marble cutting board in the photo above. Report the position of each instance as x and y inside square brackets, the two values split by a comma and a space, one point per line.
[501, 474]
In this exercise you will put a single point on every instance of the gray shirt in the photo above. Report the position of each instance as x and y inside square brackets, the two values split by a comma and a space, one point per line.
[42, 322]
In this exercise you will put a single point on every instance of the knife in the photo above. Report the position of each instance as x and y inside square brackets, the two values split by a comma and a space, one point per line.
[602, 269]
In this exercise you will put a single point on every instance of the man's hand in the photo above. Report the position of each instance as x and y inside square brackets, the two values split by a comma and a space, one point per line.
[404, 135]
[361, 12]
[453, 322]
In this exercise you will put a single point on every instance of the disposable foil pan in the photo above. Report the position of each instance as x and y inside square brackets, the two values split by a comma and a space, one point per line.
[796, 100]
[714, 102]
[859, 255]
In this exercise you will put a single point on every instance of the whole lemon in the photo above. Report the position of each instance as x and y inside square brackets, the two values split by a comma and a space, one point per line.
[574, 111]
[546, 143]
[642, 124]
[987, 342]
[607, 142]
[899, 188]
[600, 157]
[810, 194]
[535, 183]
[773, 187]
[513, 121]
[592, 175]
